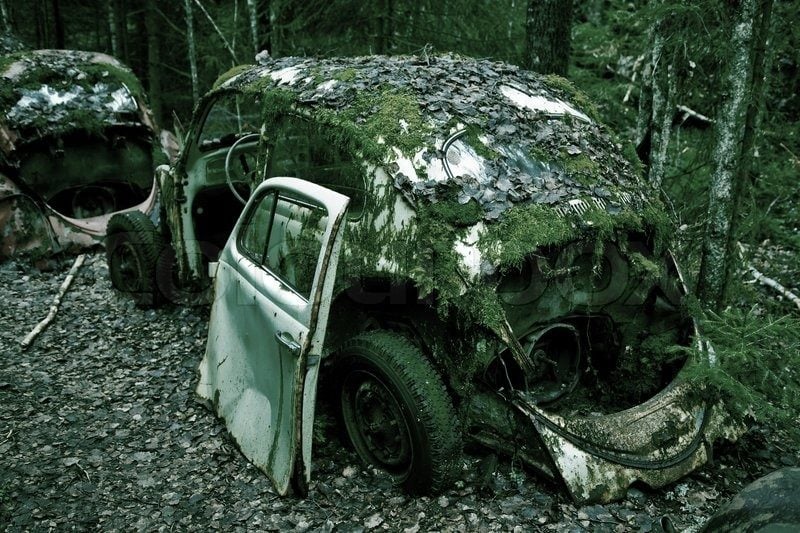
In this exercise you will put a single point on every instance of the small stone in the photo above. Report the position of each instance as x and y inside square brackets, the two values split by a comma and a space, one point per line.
[373, 521]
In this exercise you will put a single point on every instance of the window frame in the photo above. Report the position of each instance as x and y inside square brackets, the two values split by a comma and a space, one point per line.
[261, 262]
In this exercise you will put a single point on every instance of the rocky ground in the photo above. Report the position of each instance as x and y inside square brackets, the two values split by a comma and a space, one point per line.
[99, 429]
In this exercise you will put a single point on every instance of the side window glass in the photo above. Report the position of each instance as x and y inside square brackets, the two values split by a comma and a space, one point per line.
[295, 242]
[285, 235]
[301, 149]
[230, 117]
[253, 238]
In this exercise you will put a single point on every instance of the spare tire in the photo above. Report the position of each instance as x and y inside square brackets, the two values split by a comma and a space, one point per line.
[397, 412]
[133, 246]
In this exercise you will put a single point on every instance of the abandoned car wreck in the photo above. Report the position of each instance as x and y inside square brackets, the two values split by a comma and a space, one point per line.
[77, 144]
[431, 239]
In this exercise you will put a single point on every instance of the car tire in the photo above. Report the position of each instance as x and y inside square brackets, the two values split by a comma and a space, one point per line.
[133, 246]
[397, 412]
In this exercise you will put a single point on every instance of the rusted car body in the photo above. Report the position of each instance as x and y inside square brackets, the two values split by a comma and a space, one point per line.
[454, 250]
[77, 144]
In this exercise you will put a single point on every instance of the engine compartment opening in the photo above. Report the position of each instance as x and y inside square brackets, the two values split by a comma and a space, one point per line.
[604, 333]
[83, 175]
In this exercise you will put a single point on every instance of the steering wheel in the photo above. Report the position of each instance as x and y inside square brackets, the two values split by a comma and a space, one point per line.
[242, 160]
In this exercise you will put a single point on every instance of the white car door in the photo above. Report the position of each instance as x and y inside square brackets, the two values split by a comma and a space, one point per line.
[273, 288]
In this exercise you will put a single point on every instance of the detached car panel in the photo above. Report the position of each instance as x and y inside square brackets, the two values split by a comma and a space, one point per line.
[77, 144]
[503, 277]
[264, 384]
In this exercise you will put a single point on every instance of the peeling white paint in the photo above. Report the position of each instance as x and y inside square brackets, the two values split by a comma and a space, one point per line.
[285, 76]
[117, 101]
[467, 248]
[541, 104]
[327, 86]
[463, 160]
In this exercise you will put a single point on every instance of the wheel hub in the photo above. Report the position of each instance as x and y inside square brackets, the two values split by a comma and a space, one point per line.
[379, 424]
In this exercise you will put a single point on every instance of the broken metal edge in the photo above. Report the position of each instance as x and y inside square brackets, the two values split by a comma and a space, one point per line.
[592, 474]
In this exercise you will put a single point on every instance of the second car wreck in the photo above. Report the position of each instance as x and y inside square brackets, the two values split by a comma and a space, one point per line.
[434, 240]
[77, 144]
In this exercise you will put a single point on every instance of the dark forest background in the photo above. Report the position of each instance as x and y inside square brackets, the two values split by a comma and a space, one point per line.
[706, 90]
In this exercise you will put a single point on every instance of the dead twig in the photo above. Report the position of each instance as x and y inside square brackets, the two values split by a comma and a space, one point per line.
[85, 473]
[219, 32]
[795, 159]
[30, 337]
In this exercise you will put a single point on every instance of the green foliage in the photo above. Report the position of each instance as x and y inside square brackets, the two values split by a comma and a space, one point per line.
[523, 229]
[455, 214]
[643, 368]
[758, 375]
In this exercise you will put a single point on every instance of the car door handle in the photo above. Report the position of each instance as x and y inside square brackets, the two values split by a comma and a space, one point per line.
[287, 340]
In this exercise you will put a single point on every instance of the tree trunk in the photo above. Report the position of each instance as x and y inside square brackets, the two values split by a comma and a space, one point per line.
[113, 32]
[58, 24]
[5, 15]
[187, 4]
[42, 31]
[729, 155]
[657, 101]
[385, 27]
[122, 30]
[266, 27]
[252, 11]
[547, 36]
[151, 23]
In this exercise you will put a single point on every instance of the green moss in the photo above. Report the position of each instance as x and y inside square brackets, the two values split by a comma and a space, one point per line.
[348, 74]
[392, 115]
[643, 267]
[630, 155]
[581, 168]
[225, 76]
[524, 229]
[62, 75]
[455, 214]
[274, 102]
[575, 95]
[481, 305]
[472, 136]
[539, 154]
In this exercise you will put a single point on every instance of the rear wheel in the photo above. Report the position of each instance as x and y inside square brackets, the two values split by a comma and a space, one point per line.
[132, 248]
[396, 411]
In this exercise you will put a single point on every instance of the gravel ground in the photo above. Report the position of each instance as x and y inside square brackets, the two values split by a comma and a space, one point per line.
[99, 429]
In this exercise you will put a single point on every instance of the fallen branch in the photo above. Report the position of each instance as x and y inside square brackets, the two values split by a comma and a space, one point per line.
[769, 282]
[689, 112]
[30, 337]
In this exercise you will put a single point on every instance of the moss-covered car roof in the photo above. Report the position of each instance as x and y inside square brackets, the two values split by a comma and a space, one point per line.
[403, 109]
[63, 90]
